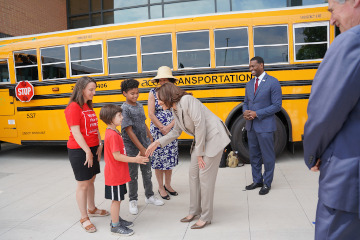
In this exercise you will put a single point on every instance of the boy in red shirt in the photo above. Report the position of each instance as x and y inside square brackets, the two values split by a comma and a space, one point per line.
[116, 168]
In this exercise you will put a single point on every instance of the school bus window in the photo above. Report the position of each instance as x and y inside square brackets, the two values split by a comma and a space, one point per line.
[311, 41]
[4, 71]
[156, 51]
[86, 58]
[271, 42]
[53, 62]
[122, 55]
[231, 47]
[26, 65]
[193, 49]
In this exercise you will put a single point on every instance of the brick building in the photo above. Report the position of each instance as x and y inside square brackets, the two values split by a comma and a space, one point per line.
[19, 17]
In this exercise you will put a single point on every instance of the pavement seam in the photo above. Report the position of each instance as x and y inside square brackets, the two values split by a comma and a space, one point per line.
[297, 199]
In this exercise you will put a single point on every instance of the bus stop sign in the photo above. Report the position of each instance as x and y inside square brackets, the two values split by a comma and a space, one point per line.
[24, 91]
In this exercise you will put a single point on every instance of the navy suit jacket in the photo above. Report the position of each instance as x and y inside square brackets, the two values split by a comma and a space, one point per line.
[265, 102]
[332, 131]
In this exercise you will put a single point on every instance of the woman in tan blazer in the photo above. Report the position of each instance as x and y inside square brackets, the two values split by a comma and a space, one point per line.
[210, 138]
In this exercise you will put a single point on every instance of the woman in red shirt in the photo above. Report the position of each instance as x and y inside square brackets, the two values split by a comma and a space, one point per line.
[84, 148]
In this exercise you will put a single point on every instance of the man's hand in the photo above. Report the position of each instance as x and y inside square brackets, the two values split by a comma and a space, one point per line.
[249, 115]
[317, 166]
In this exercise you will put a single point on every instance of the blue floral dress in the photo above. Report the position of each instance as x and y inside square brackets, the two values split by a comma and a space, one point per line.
[165, 158]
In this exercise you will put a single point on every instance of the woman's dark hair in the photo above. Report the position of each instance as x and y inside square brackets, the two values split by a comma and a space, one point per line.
[172, 80]
[169, 93]
[108, 112]
[129, 84]
[77, 94]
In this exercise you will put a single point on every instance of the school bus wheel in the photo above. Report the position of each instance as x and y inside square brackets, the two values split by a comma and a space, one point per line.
[239, 141]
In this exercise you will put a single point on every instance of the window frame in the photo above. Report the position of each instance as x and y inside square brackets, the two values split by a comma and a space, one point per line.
[8, 67]
[193, 50]
[48, 64]
[82, 44]
[248, 44]
[155, 53]
[122, 56]
[273, 45]
[311, 24]
[16, 67]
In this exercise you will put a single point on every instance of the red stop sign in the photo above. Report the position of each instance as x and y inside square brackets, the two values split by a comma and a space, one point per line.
[24, 91]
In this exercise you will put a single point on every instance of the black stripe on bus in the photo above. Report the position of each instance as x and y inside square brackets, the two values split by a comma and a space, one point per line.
[144, 102]
[175, 73]
[186, 88]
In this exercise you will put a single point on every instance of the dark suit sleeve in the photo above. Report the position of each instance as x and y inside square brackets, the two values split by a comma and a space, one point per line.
[276, 101]
[335, 92]
[246, 100]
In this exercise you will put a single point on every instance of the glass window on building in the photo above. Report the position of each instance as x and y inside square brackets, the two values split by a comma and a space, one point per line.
[311, 40]
[26, 65]
[4, 71]
[156, 51]
[193, 49]
[223, 5]
[131, 14]
[189, 8]
[53, 62]
[271, 43]
[242, 5]
[86, 58]
[122, 55]
[231, 47]
[78, 7]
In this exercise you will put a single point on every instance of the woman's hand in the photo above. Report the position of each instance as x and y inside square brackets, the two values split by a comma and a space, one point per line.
[151, 148]
[140, 159]
[89, 159]
[201, 162]
[166, 129]
[99, 152]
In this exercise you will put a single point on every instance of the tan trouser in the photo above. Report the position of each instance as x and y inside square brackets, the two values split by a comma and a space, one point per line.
[202, 185]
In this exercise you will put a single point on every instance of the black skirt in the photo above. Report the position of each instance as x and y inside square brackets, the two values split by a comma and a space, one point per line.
[77, 159]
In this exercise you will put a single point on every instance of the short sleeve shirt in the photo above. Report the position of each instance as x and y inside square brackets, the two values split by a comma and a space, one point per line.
[134, 116]
[88, 122]
[115, 172]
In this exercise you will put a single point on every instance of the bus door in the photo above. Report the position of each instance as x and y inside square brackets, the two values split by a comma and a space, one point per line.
[7, 104]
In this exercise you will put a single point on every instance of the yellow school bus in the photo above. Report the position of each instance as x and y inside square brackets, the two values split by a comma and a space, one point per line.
[209, 54]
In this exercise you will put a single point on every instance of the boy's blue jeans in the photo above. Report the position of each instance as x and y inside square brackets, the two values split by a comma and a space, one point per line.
[146, 176]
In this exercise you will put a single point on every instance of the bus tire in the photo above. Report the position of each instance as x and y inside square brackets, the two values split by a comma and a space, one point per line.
[239, 141]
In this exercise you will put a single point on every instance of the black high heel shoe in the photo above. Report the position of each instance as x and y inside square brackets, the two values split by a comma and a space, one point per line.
[174, 193]
[167, 197]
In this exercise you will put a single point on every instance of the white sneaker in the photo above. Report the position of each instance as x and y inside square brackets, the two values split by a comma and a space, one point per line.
[154, 200]
[133, 209]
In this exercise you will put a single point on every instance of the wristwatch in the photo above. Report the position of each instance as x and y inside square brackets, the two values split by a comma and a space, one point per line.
[100, 143]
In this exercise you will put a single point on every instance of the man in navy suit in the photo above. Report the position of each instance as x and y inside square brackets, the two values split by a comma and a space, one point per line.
[263, 99]
[332, 131]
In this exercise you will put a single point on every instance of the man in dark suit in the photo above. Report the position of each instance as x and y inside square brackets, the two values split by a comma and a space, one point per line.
[332, 131]
[263, 99]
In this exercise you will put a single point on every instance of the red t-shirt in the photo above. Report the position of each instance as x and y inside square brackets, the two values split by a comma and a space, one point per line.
[115, 172]
[88, 122]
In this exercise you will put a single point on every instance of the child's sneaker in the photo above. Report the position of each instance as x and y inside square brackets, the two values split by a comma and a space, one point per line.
[154, 200]
[121, 230]
[124, 223]
[133, 209]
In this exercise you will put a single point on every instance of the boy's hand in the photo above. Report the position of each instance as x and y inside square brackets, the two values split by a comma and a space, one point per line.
[142, 152]
[141, 160]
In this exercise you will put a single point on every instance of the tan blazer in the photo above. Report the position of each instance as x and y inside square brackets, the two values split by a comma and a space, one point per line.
[211, 134]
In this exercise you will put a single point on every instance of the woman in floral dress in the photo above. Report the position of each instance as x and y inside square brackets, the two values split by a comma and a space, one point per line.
[162, 121]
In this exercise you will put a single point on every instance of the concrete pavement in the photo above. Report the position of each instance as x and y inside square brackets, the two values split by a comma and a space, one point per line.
[37, 201]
